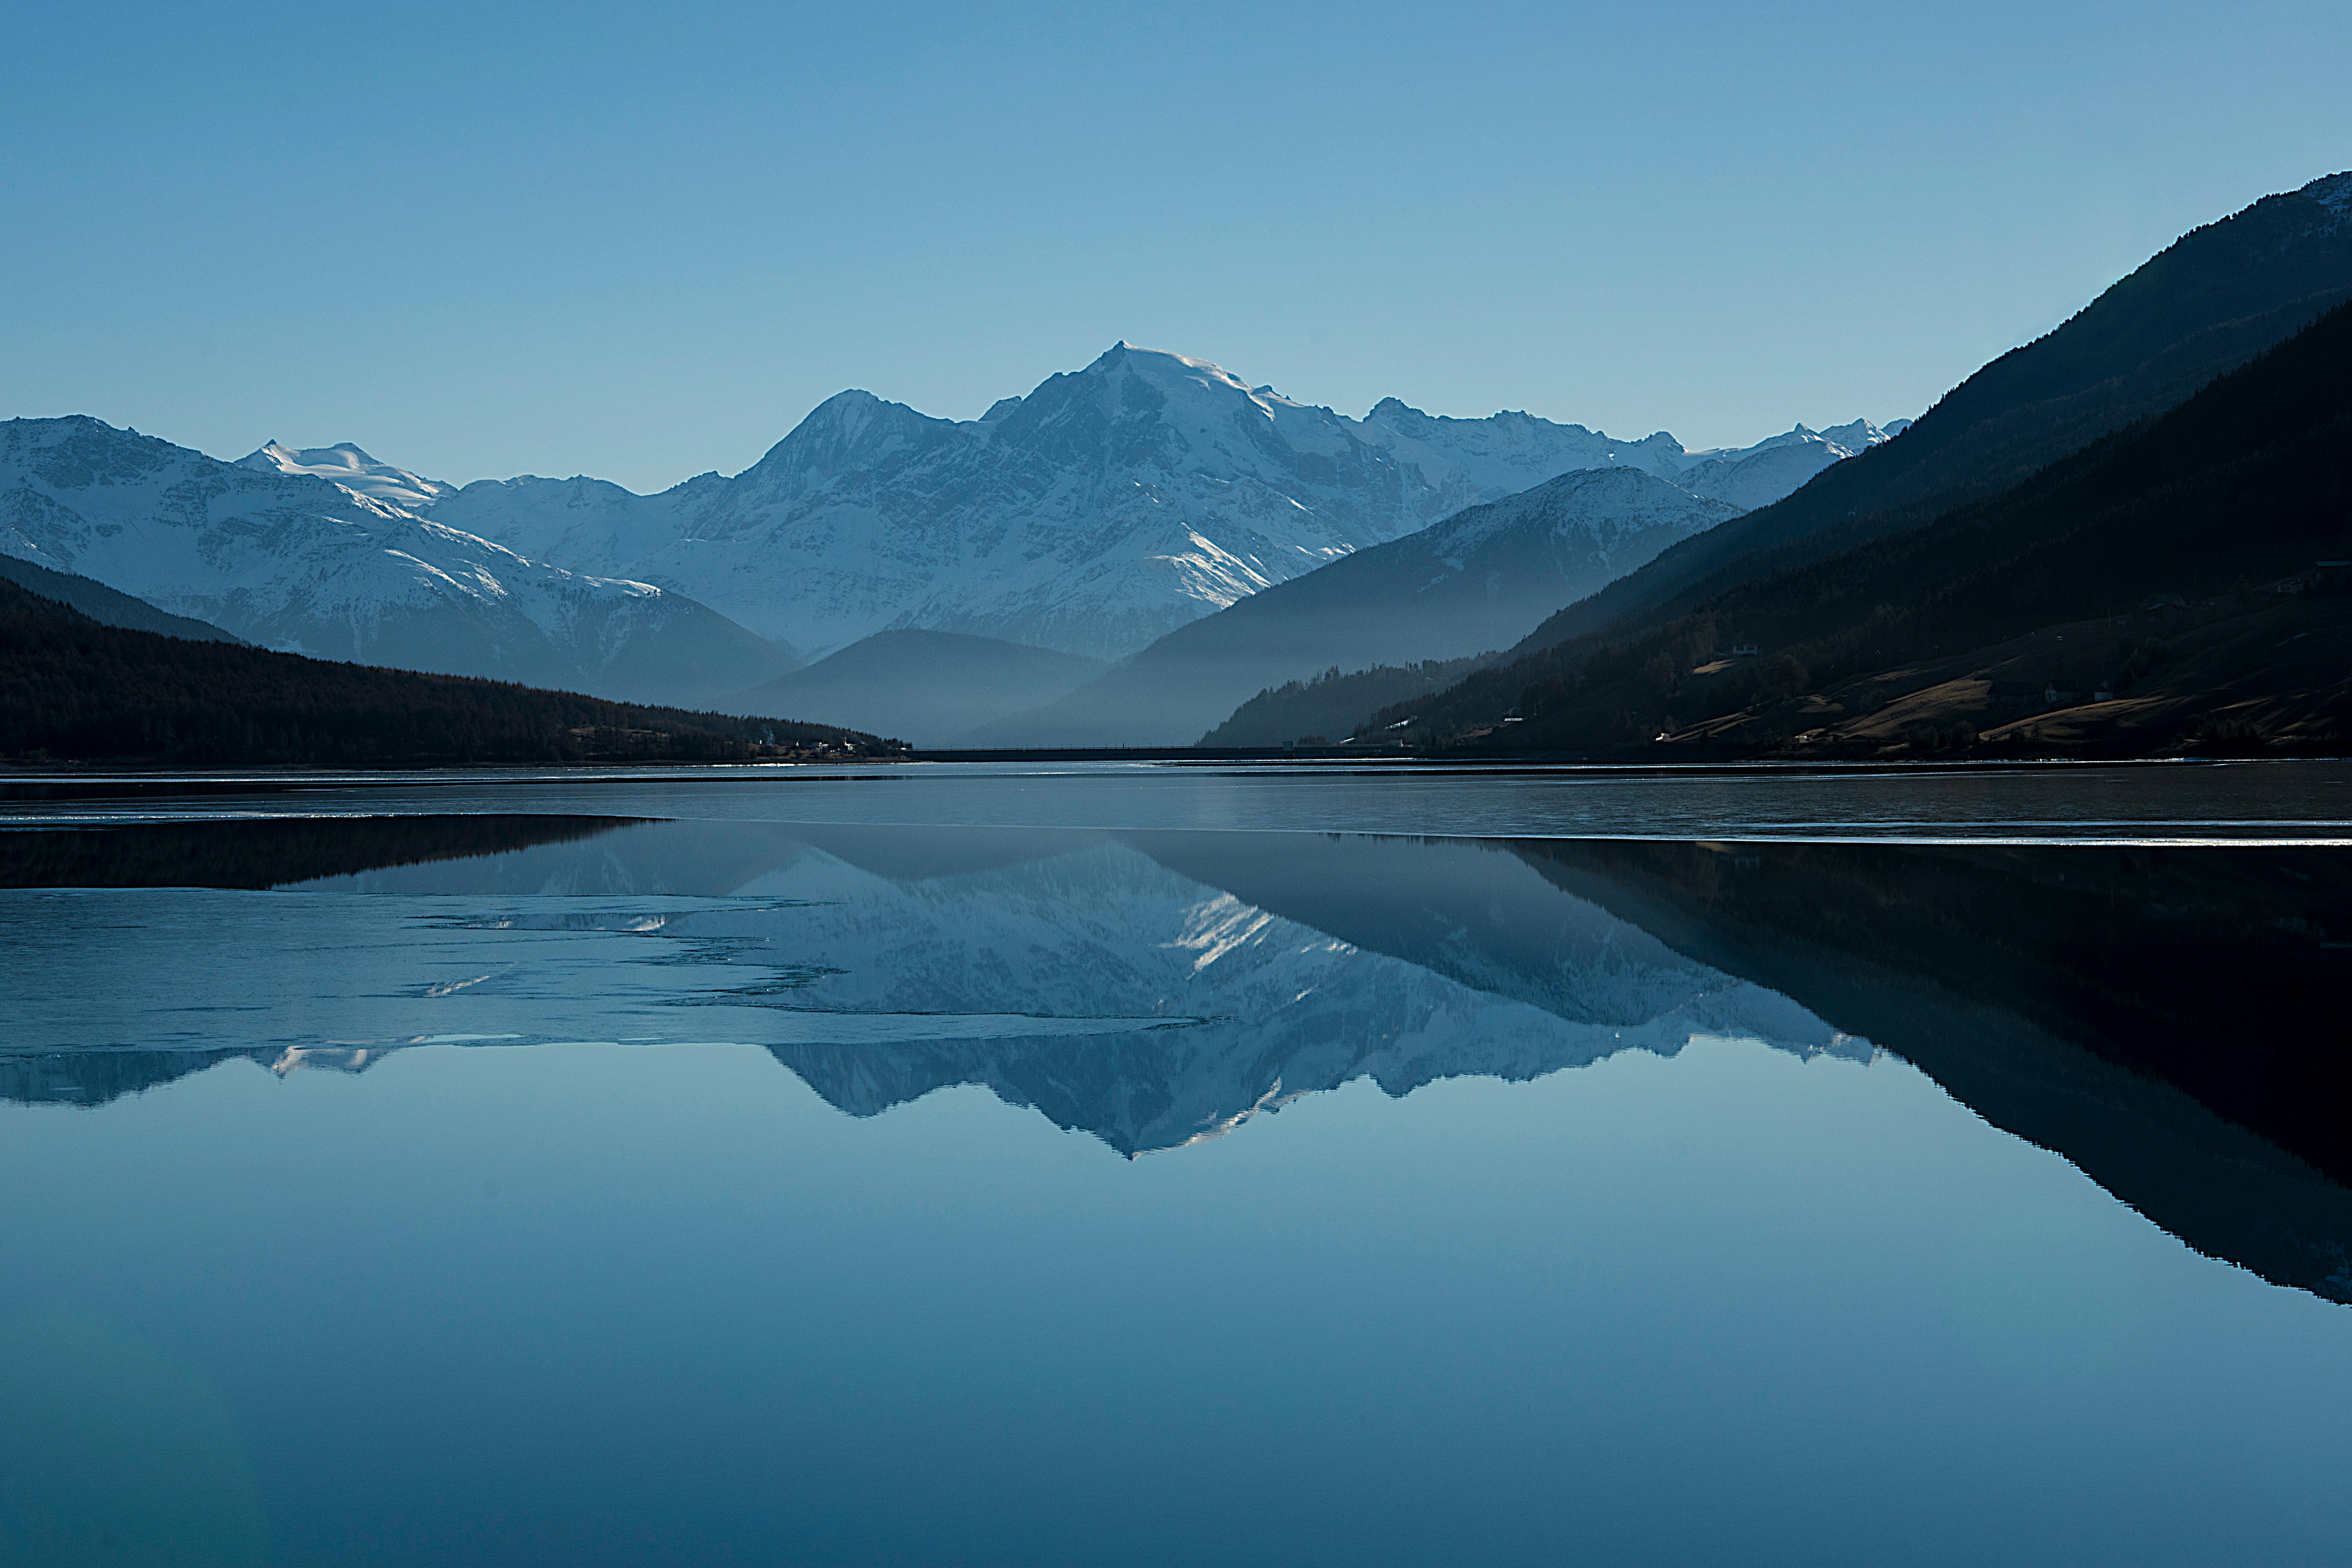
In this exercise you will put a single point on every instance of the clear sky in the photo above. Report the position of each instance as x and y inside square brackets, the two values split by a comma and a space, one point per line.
[642, 241]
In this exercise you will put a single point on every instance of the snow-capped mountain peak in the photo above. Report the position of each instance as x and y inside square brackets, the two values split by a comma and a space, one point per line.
[1110, 505]
[850, 433]
[346, 465]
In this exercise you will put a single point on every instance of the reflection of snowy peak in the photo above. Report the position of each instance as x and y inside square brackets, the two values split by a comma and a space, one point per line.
[286, 558]
[1258, 1009]
[1107, 507]
[1112, 981]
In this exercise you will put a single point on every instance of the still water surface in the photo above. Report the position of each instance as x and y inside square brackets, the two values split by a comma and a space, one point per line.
[1158, 1165]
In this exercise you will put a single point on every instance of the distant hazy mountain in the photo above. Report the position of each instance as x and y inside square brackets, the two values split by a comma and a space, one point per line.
[1104, 509]
[1481, 579]
[921, 686]
[300, 563]
[107, 606]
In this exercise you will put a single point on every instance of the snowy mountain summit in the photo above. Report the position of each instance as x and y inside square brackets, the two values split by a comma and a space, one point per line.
[1106, 508]
[345, 465]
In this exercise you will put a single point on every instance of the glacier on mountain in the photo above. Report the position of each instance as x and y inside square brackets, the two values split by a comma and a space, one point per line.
[344, 464]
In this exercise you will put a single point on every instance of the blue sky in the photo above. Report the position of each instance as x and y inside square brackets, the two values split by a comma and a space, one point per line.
[643, 241]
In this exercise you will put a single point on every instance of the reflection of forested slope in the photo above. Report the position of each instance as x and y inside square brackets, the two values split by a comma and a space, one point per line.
[94, 1078]
[269, 852]
[2167, 1020]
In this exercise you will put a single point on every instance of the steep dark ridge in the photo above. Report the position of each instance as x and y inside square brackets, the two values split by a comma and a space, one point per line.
[2248, 482]
[1467, 584]
[73, 689]
[2071, 996]
[922, 687]
[106, 605]
[2210, 300]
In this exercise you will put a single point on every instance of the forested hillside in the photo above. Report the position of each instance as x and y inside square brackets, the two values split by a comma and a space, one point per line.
[1330, 706]
[73, 689]
[106, 605]
[2174, 566]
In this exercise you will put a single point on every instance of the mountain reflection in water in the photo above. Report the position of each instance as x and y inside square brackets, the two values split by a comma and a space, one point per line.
[2167, 1020]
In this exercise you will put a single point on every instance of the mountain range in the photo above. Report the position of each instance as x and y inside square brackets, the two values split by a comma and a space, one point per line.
[1214, 540]
[1104, 508]
[297, 562]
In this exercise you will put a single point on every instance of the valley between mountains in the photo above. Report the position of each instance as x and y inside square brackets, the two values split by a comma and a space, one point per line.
[1150, 551]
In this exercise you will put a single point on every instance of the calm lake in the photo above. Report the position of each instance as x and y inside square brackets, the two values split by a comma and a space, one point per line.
[1117, 1164]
